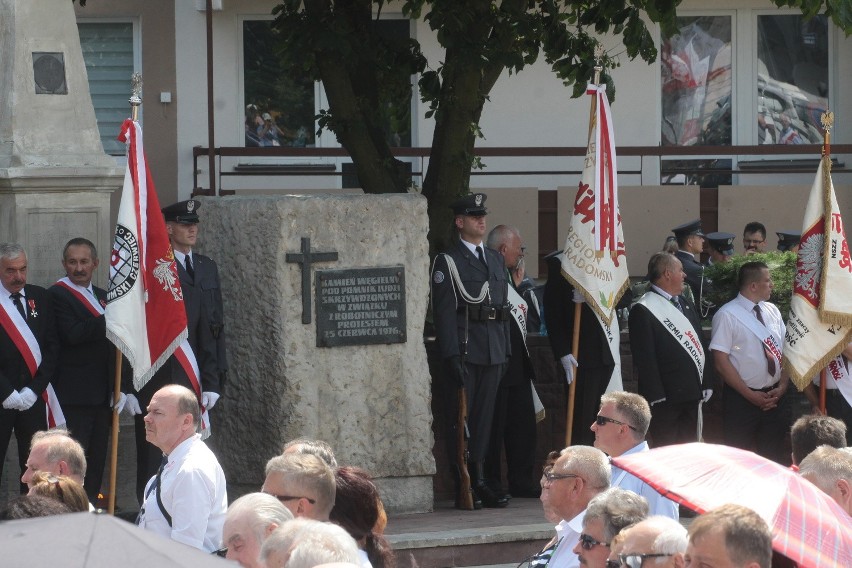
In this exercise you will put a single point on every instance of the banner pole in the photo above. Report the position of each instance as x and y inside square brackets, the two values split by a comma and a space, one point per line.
[113, 452]
[572, 389]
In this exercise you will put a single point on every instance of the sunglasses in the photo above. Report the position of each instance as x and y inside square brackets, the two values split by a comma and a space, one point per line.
[636, 560]
[588, 543]
[602, 420]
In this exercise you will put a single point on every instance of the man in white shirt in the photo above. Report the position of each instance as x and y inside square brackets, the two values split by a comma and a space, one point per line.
[656, 541]
[620, 428]
[748, 334]
[580, 473]
[187, 500]
[250, 520]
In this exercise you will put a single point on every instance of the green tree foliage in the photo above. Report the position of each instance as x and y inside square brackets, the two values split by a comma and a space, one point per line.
[840, 11]
[782, 268]
[365, 73]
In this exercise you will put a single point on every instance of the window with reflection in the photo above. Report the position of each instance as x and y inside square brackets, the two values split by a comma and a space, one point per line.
[792, 78]
[696, 82]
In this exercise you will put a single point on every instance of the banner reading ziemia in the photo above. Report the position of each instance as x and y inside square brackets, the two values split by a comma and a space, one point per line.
[594, 258]
[820, 322]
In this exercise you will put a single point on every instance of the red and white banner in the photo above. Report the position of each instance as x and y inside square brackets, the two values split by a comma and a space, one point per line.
[820, 322]
[594, 258]
[145, 316]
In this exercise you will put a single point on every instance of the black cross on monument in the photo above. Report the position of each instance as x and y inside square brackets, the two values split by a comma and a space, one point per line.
[305, 258]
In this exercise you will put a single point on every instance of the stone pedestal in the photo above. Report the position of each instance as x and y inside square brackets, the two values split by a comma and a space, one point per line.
[370, 402]
[55, 179]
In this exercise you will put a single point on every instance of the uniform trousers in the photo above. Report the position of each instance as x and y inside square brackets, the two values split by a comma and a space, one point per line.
[760, 431]
[25, 424]
[591, 385]
[673, 423]
[514, 429]
[89, 424]
[481, 385]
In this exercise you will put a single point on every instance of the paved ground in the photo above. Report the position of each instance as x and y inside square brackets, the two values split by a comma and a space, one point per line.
[446, 518]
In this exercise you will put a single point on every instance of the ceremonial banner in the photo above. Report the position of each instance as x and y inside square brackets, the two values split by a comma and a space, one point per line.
[594, 257]
[820, 322]
[145, 317]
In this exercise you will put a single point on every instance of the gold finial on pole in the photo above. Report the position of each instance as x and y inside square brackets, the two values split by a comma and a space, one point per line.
[136, 97]
[599, 53]
[827, 121]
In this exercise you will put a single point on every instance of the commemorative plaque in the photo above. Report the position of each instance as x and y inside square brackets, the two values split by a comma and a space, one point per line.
[360, 306]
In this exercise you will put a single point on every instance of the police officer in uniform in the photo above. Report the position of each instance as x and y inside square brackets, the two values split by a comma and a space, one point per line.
[690, 241]
[472, 326]
[789, 241]
[720, 247]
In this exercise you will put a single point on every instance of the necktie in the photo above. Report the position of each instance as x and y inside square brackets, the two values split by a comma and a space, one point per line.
[677, 304]
[770, 359]
[189, 269]
[481, 256]
[543, 558]
[16, 299]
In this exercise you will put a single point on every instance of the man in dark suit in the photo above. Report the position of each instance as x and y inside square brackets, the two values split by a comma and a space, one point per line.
[472, 325]
[26, 314]
[690, 241]
[593, 353]
[669, 353]
[86, 357]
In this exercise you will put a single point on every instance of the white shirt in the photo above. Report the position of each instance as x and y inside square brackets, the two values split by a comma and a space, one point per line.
[657, 504]
[472, 248]
[363, 559]
[181, 257]
[193, 492]
[568, 533]
[743, 347]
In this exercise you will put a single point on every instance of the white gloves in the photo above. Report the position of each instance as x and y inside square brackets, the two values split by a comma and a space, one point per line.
[131, 403]
[707, 394]
[208, 399]
[118, 406]
[569, 364]
[578, 297]
[13, 401]
[28, 398]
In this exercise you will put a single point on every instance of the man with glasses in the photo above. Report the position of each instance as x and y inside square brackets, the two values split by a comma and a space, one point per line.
[754, 237]
[730, 536]
[303, 483]
[656, 541]
[567, 487]
[606, 515]
[620, 428]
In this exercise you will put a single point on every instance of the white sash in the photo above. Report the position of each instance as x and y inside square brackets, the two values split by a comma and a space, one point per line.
[677, 325]
[837, 372]
[82, 294]
[612, 332]
[766, 337]
[518, 308]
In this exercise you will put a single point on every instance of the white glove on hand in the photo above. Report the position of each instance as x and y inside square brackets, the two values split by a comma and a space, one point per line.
[578, 297]
[208, 399]
[131, 404]
[569, 364]
[13, 401]
[28, 398]
[118, 406]
[707, 394]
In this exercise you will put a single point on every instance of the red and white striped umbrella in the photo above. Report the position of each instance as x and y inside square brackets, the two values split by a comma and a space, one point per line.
[807, 525]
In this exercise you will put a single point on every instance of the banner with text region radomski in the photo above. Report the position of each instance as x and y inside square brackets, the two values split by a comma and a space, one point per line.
[594, 260]
[820, 322]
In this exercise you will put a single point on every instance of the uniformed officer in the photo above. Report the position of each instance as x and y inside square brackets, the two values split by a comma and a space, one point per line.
[469, 291]
[690, 241]
[720, 247]
[789, 241]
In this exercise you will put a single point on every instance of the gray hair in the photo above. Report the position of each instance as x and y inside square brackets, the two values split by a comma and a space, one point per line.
[634, 408]
[589, 463]
[616, 508]
[11, 251]
[259, 510]
[672, 539]
[318, 448]
[309, 473]
[309, 543]
[61, 447]
[659, 263]
[825, 466]
[499, 235]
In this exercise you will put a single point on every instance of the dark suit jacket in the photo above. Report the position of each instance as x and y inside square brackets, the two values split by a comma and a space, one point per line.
[594, 351]
[694, 274]
[206, 282]
[86, 357]
[14, 374]
[488, 341]
[665, 369]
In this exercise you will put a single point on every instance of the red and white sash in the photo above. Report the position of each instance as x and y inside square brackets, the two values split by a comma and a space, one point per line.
[187, 360]
[678, 326]
[22, 336]
[518, 308]
[87, 298]
[838, 372]
[771, 343]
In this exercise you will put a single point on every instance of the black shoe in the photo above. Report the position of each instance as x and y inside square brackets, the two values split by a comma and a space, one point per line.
[489, 498]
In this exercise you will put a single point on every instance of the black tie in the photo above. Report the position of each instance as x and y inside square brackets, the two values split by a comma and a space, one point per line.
[16, 298]
[770, 359]
[189, 269]
[481, 256]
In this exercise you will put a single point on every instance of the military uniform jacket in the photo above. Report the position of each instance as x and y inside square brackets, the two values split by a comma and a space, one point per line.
[664, 368]
[488, 341]
[694, 274]
[86, 357]
[14, 374]
[206, 282]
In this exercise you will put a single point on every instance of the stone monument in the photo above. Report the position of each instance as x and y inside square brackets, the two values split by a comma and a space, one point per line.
[55, 179]
[325, 300]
